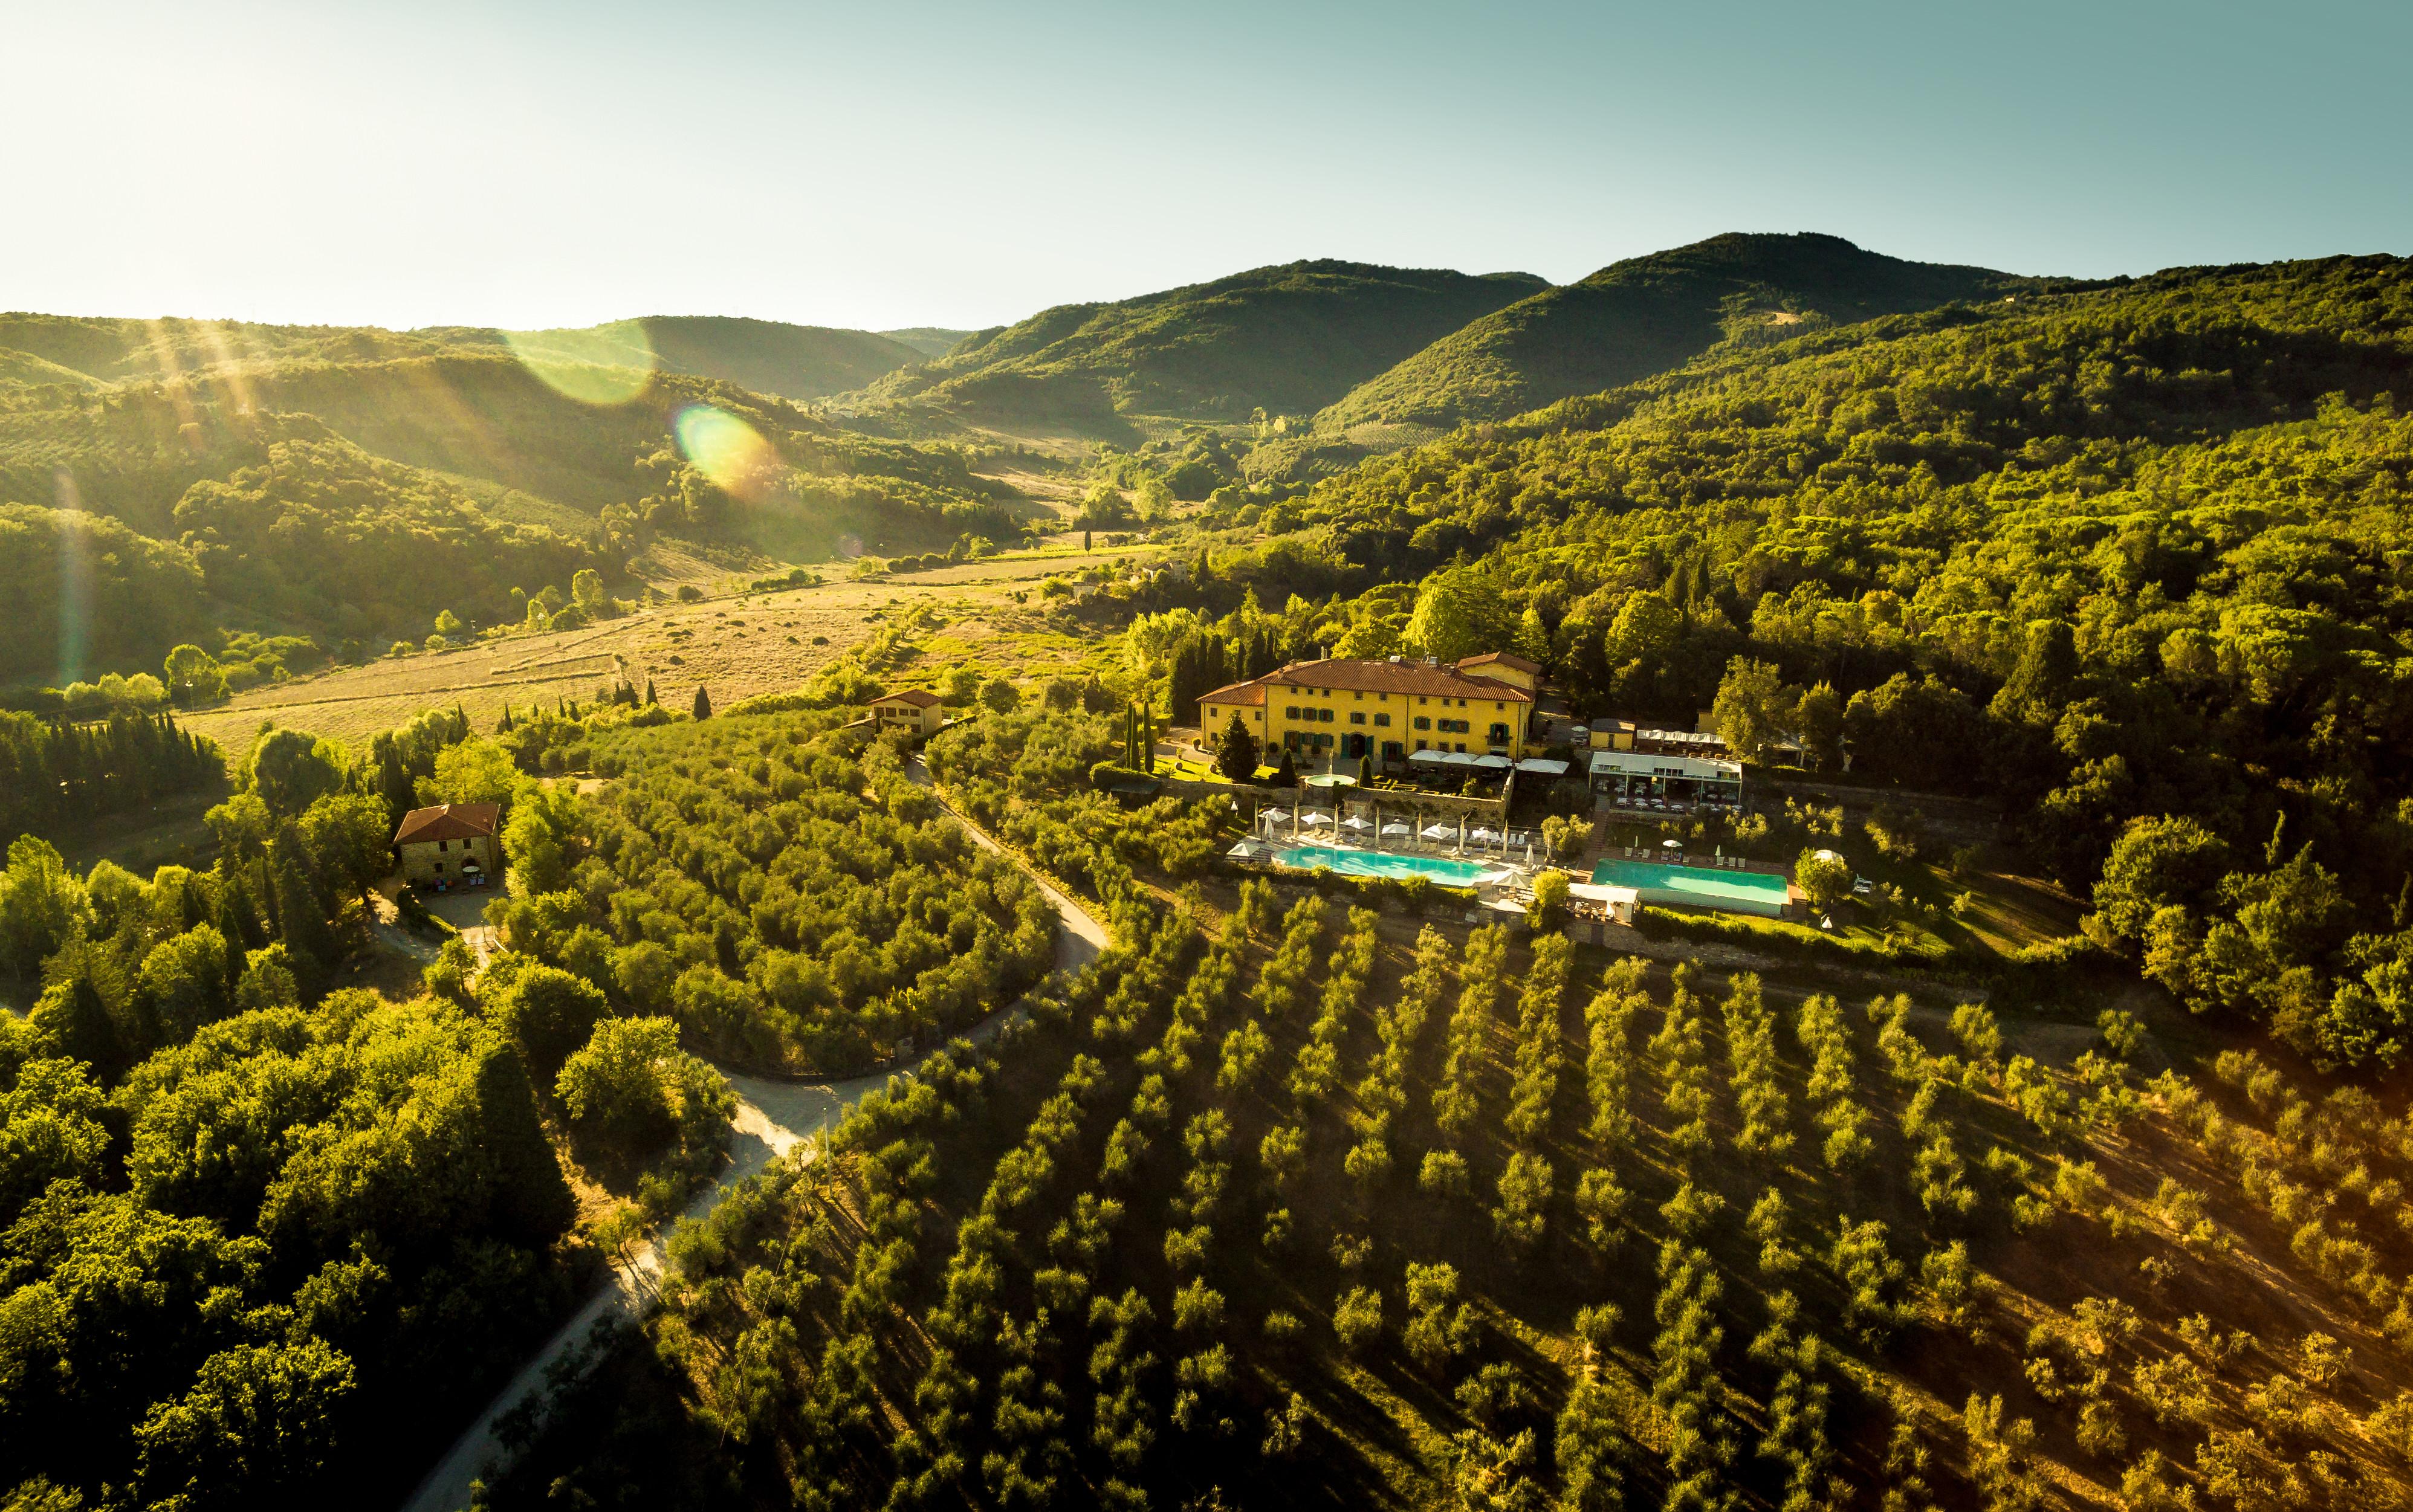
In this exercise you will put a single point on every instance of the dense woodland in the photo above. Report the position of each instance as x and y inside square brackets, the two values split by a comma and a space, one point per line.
[255, 1225]
[352, 490]
[52, 773]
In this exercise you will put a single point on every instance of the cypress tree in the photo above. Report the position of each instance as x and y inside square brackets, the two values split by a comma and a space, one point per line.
[703, 703]
[505, 727]
[79, 1021]
[393, 781]
[649, 690]
[300, 912]
[233, 915]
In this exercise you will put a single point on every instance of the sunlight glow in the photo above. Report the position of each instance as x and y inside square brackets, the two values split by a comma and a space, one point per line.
[601, 365]
[75, 578]
[728, 452]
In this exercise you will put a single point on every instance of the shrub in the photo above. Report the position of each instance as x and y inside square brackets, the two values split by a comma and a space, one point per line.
[1357, 1320]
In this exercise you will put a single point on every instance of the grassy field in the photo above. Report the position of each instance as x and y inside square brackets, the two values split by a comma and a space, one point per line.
[735, 647]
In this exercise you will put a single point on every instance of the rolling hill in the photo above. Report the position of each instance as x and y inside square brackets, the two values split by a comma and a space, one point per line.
[930, 341]
[767, 355]
[1286, 339]
[348, 485]
[1648, 315]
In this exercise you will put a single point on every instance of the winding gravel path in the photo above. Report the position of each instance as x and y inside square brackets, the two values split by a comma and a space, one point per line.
[772, 1117]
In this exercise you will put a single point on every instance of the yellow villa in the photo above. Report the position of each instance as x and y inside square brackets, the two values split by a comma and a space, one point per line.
[1387, 709]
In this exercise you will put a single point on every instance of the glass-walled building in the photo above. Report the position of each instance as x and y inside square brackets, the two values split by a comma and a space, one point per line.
[1645, 779]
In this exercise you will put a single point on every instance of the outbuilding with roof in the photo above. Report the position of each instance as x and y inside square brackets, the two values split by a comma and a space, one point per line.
[451, 845]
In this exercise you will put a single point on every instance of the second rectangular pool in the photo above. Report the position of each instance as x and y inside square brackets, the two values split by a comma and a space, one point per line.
[1697, 886]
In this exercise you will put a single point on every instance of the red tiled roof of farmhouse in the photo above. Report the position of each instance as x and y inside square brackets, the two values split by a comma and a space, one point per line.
[919, 697]
[449, 821]
[1403, 675]
[1246, 694]
[1502, 658]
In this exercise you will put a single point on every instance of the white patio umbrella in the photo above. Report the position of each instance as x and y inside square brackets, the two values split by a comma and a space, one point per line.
[1671, 844]
[1437, 830]
[1396, 829]
[1311, 818]
[1354, 822]
[1484, 835]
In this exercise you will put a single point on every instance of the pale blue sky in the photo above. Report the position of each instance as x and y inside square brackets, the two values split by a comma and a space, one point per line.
[929, 162]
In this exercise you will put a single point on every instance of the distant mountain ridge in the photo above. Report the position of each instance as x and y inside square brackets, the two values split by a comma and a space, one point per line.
[1287, 339]
[1649, 315]
[930, 341]
[798, 362]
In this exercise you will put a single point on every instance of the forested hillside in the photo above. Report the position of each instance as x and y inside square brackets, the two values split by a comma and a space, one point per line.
[1646, 315]
[1283, 340]
[357, 502]
[2130, 563]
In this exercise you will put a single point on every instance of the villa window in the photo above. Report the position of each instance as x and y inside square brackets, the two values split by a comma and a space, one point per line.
[1324, 715]
[1499, 734]
[1383, 720]
[1422, 723]
[1357, 716]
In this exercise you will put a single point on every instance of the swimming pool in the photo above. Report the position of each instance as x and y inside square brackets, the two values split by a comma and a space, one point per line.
[1696, 886]
[1440, 868]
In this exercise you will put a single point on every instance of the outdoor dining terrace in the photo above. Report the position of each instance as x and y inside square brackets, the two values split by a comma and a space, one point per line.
[1366, 826]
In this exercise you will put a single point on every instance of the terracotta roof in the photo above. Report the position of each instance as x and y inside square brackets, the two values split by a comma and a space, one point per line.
[1408, 677]
[1504, 658]
[448, 821]
[1247, 695]
[919, 697]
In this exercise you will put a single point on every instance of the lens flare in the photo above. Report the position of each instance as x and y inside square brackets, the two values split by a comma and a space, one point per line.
[728, 452]
[598, 365]
[74, 578]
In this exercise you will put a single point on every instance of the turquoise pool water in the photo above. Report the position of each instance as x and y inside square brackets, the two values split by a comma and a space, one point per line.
[1450, 874]
[1696, 887]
